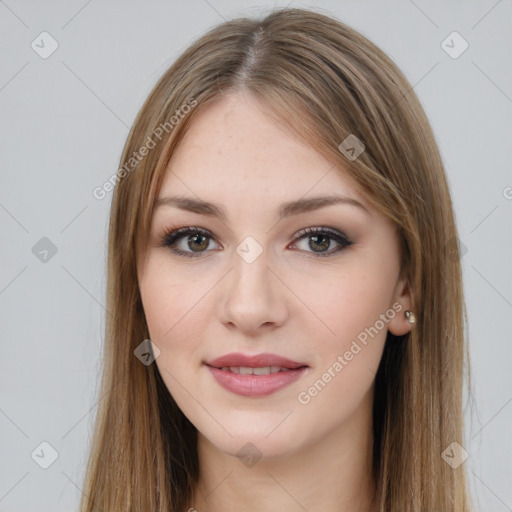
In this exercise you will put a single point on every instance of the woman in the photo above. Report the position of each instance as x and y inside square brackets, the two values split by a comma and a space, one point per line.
[287, 315]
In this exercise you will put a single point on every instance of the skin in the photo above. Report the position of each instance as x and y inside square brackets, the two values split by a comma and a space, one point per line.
[314, 456]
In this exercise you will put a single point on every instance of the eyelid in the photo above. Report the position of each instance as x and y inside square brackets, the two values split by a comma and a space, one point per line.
[178, 233]
[321, 229]
[334, 234]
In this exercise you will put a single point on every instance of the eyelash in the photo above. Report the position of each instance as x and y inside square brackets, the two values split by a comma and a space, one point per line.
[170, 237]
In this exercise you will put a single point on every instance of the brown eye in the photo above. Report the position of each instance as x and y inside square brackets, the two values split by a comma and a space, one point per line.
[189, 242]
[198, 242]
[320, 239]
[193, 241]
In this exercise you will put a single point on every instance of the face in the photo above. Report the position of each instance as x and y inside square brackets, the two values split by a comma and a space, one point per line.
[252, 281]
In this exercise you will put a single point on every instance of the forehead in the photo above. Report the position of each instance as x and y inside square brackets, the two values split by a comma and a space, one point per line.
[234, 149]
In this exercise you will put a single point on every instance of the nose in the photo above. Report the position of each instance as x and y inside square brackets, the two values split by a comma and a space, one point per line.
[252, 298]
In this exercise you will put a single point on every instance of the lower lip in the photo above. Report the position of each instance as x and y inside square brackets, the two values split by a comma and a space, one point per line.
[255, 385]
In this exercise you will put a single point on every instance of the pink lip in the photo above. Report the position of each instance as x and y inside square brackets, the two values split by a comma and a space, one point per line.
[255, 385]
[264, 359]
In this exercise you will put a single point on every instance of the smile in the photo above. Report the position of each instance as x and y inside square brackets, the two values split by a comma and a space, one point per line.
[247, 370]
[254, 382]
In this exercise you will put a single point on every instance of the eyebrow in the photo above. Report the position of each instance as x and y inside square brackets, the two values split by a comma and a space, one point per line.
[285, 210]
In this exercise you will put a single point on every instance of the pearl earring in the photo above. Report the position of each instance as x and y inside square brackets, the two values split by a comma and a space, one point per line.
[411, 317]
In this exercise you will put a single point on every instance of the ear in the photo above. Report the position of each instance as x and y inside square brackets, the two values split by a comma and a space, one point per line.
[399, 325]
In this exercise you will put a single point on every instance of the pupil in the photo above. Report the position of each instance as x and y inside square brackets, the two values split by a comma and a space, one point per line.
[195, 237]
[325, 245]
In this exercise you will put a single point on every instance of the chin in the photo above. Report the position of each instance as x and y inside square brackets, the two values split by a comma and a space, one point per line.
[248, 439]
[250, 449]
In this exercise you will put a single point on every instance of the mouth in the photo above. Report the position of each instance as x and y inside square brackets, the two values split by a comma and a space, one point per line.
[258, 370]
[257, 375]
[246, 363]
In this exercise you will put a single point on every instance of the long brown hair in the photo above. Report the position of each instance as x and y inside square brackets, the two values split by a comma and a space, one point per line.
[323, 81]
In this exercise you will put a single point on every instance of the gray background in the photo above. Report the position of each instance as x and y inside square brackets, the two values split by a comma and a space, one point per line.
[63, 124]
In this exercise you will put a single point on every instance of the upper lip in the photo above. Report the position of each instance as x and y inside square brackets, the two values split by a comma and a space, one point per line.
[255, 361]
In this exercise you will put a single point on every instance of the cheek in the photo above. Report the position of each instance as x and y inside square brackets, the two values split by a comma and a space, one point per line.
[345, 300]
[175, 314]
[355, 304]
[349, 359]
